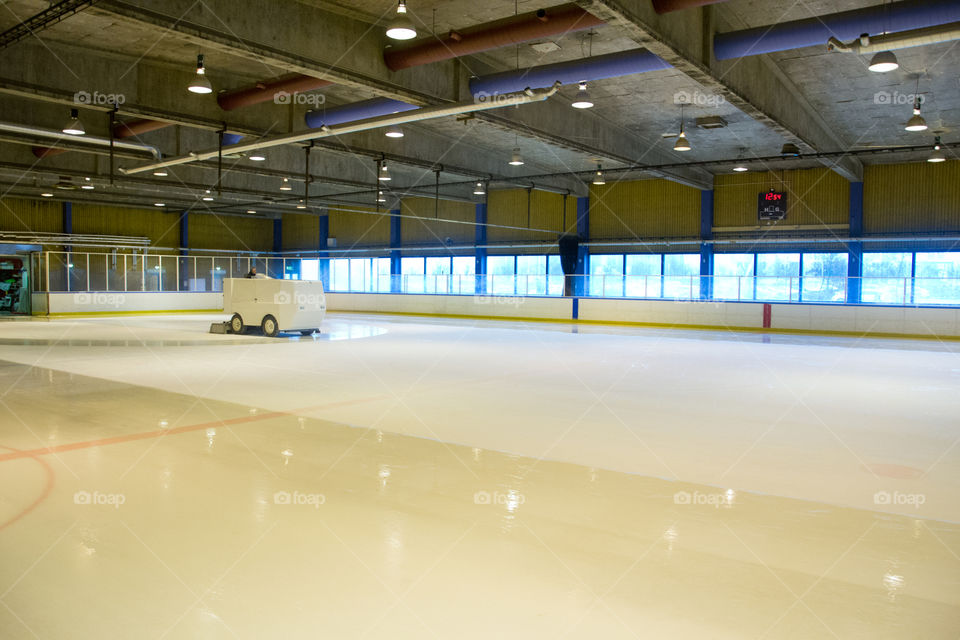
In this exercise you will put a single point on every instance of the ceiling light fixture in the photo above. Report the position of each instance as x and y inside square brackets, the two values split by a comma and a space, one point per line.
[256, 156]
[937, 155]
[394, 132]
[682, 143]
[159, 204]
[516, 159]
[598, 177]
[74, 127]
[381, 197]
[301, 205]
[285, 185]
[582, 99]
[161, 173]
[87, 184]
[207, 196]
[401, 27]
[251, 210]
[384, 173]
[479, 190]
[200, 84]
[916, 122]
[883, 62]
[47, 194]
[790, 150]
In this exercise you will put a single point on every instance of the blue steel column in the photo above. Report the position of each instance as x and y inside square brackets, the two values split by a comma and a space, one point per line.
[322, 237]
[706, 249]
[396, 241]
[480, 240]
[855, 249]
[583, 230]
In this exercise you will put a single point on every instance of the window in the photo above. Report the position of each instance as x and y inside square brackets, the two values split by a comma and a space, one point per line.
[532, 275]
[606, 275]
[360, 276]
[937, 278]
[463, 280]
[643, 276]
[886, 278]
[310, 269]
[340, 274]
[778, 276]
[555, 276]
[681, 273]
[412, 271]
[824, 277]
[438, 275]
[382, 275]
[733, 276]
[500, 275]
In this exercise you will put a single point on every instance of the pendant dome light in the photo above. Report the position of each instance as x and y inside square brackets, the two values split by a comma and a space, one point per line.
[883, 62]
[937, 155]
[74, 127]
[207, 196]
[598, 178]
[384, 175]
[401, 27]
[916, 122]
[301, 205]
[741, 166]
[682, 143]
[200, 84]
[161, 173]
[516, 159]
[479, 189]
[381, 197]
[394, 132]
[582, 99]
[257, 156]
[285, 185]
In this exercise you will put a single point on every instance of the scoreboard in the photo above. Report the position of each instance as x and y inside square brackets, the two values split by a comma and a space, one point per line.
[772, 205]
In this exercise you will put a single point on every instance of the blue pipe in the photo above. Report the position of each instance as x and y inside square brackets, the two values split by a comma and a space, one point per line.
[612, 65]
[356, 111]
[847, 25]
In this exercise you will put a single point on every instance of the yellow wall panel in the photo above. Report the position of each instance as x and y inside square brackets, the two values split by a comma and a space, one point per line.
[547, 211]
[352, 228]
[814, 197]
[429, 231]
[301, 231]
[30, 215]
[230, 233]
[162, 227]
[644, 209]
[918, 197]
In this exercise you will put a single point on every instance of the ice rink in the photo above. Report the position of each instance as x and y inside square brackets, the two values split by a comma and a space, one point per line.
[415, 478]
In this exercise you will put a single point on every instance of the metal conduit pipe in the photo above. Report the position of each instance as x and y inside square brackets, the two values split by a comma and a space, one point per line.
[847, 25]
[26, 130]
[132, 128]
[900, 40]
[667, 6]
[426, 113]
[356, 111]
[265, 91]
[524, 27]
[611, 65]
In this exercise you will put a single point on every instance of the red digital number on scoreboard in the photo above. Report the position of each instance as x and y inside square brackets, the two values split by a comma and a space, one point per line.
[774, 196]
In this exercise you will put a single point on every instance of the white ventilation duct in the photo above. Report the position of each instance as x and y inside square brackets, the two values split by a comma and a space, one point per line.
[25, 130]
[901, 40]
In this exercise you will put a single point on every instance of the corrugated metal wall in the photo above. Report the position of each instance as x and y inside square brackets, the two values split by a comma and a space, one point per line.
[643, 209]
[30, 215]
[360, 229]
[920, 197]
[814, 196]
[301, 231]
[162, 227]
[230, 232]
[546, 211]
[429, 232]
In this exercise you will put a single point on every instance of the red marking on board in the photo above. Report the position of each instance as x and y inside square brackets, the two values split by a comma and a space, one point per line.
[767, 315]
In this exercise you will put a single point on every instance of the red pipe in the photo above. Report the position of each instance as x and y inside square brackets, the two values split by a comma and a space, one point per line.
[132, 128]
[567, 18]
[43, 152]
[266, 91]
[666, 6]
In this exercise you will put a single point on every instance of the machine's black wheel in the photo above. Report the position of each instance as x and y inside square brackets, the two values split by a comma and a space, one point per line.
[269, 326]
[236, 323]
[307, 332]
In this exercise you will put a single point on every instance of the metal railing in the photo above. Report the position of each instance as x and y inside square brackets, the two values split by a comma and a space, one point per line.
[129, 272]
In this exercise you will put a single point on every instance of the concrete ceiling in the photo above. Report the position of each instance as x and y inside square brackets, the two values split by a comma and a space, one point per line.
[145, 51]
